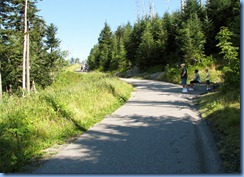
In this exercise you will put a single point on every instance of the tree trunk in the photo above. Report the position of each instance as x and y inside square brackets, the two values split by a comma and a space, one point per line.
[24, 51]
[28, 63]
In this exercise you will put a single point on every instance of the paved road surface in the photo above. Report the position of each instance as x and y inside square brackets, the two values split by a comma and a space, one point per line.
[157, 131]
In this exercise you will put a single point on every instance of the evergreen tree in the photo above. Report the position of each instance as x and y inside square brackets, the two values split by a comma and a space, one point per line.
[118, 58]
[114, 53]
[192, 40]
[126, 42]
[52, 44]
[94, 58]
[171, 24]
[105, 41]
[192, 7]
[12, 38]
[160, 36]
[135, 40]
[223, 13]
[146, 49]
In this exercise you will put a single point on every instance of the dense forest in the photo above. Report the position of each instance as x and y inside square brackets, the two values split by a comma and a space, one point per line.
[45, 55]
[199, 36]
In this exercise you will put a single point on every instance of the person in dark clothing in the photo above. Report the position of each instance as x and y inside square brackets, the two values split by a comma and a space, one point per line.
[195, 80]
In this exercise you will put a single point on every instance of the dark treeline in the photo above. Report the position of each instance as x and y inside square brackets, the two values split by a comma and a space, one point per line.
[45, 55]
[198, 36]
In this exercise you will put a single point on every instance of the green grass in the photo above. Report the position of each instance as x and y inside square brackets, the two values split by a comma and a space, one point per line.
[222, 111]
[69, 107]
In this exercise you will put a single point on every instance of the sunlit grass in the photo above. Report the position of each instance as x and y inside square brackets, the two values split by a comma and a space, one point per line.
[73, 67]
[222, 111]
[73, 104]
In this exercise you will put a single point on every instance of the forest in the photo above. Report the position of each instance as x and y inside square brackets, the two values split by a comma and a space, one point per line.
[46, 56]
[200, 36]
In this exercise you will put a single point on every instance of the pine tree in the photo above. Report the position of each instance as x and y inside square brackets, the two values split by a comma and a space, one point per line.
[172, 22]
[146, 49]
[94, 58]
[192, 40]
[126, 42]
[52, 44]
[135, 40]
[160, 36]
[12, 32]
[105, 41]
[223, 13]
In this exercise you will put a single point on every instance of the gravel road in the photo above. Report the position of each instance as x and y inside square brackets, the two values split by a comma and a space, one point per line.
[158, 131]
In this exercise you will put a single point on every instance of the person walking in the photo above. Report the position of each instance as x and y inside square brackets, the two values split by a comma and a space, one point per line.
[195, 80]
[184, 77]
[207, 79]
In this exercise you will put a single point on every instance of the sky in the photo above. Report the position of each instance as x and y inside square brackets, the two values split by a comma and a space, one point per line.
[80, 22]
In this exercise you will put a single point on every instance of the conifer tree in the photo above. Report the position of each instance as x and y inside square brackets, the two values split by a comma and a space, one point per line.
[192, 40]
[223, 13]
[105, 41]
[160, 35]
[171, 24]
[94, 58]
[12, 32]
[52, 44]
[135, 40]
[146, 49]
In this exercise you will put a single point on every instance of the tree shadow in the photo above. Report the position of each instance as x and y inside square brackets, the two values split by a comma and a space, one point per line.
[125, 143]
[143, 141]
[63, 112]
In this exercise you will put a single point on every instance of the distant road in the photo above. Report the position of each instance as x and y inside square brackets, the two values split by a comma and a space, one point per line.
[158, 131]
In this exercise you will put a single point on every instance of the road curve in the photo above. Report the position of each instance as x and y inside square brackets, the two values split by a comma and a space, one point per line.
[158, 131]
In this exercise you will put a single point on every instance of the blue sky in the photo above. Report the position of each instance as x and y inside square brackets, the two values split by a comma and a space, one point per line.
[80, 22]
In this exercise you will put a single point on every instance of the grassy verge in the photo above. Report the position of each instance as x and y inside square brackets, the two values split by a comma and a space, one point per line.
[69, 107]
[222, 112]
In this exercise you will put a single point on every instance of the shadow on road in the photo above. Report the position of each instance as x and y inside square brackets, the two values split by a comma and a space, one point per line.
[156, 134]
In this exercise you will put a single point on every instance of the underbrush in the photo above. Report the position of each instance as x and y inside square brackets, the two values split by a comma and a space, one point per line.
[222, 112]
[69, 107]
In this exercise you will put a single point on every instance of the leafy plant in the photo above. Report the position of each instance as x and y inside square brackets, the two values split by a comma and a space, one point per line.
[232, 69]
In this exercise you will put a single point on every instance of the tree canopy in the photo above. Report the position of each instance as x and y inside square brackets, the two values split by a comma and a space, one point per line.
[189, 36]
[45, 55]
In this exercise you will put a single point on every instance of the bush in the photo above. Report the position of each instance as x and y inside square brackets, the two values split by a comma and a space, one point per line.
[172, 74]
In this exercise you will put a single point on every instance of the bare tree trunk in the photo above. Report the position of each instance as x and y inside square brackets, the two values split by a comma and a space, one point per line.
[25, 48]
[28, 63]
[33, 87]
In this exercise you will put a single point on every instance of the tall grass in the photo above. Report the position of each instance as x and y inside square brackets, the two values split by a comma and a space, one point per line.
[69, 107]
[222, 111]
